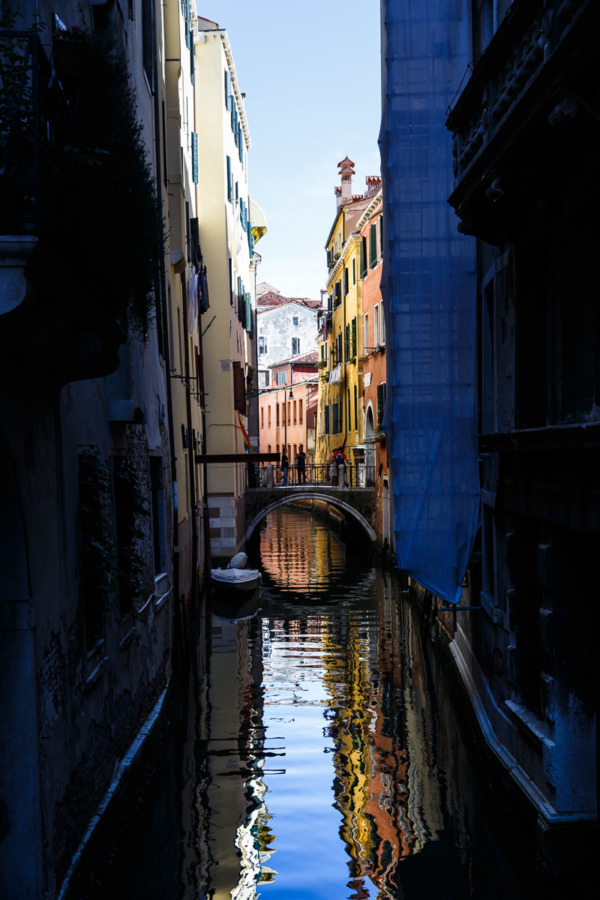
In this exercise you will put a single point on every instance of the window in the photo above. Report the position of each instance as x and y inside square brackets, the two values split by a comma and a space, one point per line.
[295, 412]
[262, 417]
[269, 416]
[195, 157]
[381, 324]
[281, 378]
[262, 345]
[354, 271]
[366, 333]
[376, 325]
[148, 40]
[295, 346]
[346, 343]
[380, 402]
[295, 320]
[239, 388]
[229, 180]
[159, 534]
[346, 282]
[363, 257]
[372, 246]
[337, 295]
[300, 412]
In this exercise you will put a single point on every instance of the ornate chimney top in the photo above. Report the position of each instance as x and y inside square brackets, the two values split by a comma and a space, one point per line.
[346, 167]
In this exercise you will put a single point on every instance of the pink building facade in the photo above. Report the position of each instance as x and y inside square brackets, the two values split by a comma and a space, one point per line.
[287, 411]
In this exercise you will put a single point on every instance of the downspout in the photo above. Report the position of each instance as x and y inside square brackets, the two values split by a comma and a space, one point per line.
[164, 323]
[192, 449]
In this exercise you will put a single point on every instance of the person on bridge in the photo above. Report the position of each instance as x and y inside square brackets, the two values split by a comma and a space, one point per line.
[301, 464]
[285, 464]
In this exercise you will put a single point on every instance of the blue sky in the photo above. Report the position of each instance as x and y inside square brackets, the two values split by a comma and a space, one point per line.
[311, 73]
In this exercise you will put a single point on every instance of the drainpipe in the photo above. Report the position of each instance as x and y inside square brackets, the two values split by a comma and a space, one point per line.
[192, 449]
[162, 318]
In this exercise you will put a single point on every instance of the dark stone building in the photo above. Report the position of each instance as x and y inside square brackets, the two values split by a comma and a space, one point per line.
[526, 142]
[522, 148]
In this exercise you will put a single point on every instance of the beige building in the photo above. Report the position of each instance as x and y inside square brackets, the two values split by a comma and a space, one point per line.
[229, 323]
[183, 270]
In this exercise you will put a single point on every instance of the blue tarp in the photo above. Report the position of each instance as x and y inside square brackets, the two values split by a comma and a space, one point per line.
[429, 291]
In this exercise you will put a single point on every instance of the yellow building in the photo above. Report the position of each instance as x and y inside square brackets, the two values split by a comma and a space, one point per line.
[340, 418]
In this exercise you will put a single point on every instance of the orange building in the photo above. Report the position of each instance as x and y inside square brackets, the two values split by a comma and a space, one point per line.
[370, 226]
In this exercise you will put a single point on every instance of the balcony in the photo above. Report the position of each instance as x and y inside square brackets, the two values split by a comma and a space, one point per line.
[530, 101]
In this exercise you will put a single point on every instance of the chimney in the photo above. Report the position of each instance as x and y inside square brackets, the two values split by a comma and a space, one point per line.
[373, 184]
[344, 194]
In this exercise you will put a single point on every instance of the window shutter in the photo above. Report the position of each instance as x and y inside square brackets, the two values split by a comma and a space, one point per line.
[363, 257]
[248, 313]
[373, 246]
[229, 180]
[195, 157]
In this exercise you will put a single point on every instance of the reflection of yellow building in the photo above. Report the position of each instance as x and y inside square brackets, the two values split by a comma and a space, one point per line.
[350, 731]
[341, 414]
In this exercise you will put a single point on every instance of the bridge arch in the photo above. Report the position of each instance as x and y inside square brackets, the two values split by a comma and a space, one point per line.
[329, 498]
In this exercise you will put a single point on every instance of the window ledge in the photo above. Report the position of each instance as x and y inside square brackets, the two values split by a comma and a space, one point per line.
[528, 721]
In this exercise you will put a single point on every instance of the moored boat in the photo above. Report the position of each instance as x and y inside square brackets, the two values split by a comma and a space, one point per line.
[235, 579]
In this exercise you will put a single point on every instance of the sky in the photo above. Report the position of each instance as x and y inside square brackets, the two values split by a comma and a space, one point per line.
[311, 73]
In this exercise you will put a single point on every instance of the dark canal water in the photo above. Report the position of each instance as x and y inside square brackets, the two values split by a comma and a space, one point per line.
[323, 756]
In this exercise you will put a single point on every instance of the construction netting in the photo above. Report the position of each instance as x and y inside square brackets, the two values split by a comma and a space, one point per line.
[429, 292]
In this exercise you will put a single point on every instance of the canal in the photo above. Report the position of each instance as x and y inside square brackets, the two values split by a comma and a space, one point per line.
[323, 754]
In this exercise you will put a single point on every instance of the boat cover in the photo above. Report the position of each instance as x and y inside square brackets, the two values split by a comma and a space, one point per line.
[429, 292]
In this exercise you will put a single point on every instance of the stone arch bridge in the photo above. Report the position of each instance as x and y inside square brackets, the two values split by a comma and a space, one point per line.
[357, 504]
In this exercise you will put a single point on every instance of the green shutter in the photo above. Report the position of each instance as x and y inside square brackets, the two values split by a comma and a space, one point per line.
[194, 157]
[229, 180]
[373, 246]
[248, 314]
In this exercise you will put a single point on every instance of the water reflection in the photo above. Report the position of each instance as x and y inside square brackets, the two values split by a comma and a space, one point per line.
[321, 755]
[345, 776]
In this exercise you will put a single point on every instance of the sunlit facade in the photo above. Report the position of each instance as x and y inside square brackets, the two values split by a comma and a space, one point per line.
[229, 324]
[341, 411]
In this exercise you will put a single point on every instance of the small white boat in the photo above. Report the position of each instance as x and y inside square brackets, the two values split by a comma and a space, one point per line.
[236, 577]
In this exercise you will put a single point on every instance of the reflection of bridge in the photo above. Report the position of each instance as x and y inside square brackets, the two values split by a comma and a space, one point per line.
[355, 503]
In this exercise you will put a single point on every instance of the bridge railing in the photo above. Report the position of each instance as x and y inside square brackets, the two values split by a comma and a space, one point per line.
[354, 476]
